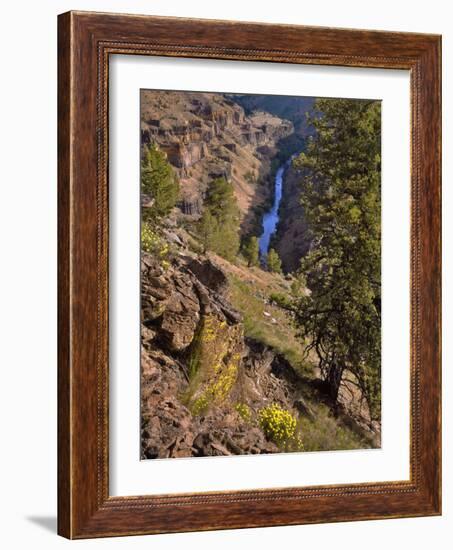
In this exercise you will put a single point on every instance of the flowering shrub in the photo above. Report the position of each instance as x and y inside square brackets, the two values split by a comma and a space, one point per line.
[152, 243]
[213, 364]
[224, 382]
[150, 240]
[200, 405]
[217, 391]
[244, 411]
[279, 425]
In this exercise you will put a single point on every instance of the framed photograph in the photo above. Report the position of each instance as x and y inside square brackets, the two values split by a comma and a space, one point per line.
[249, 275]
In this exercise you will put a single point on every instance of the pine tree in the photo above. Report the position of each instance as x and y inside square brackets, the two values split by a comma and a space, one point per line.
[219, 224]
[273, 261]
[251, 251]
[207, 229]
[342, 207]
[159, 181]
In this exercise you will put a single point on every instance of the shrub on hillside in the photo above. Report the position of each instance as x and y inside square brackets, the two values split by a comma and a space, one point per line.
[152, 243]
[279, 425]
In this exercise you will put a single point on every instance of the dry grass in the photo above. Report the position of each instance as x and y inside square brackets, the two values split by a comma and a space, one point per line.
[327, 433]
[265, 322]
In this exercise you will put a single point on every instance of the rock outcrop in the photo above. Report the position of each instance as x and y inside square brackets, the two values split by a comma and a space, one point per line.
[197, 364]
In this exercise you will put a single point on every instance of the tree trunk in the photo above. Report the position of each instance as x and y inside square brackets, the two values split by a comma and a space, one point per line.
[333, 380]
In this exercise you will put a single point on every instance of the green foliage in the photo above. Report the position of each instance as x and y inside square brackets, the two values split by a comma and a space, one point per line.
[281, 300]
[219, 224]
[327, 433]
[251, 251]
[152, 243]
[208, 228]
[342, 206]
[273, 261]
[279, 425]
[159, 181]
[298, 285]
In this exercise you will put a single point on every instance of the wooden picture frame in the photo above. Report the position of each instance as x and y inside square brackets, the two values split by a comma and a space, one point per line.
[85, 42]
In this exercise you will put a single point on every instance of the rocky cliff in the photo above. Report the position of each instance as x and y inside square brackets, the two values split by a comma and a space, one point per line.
[208, 135]
[292, 108]
[292, 239]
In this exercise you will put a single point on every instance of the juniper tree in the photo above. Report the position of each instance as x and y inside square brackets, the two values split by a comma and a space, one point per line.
[159, 181]
[251, 251]
[219, 224]
[342, 206]
[273, 261]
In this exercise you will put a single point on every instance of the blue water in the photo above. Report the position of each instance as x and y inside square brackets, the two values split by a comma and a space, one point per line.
[271, 217]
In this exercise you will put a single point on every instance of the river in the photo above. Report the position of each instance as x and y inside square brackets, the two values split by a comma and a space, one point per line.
[271, 217]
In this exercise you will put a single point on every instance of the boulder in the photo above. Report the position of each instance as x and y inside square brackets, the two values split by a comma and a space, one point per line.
[209, 274]
[179, 320]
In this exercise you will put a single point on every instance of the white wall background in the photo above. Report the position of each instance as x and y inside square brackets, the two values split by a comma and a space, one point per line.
[28, 122]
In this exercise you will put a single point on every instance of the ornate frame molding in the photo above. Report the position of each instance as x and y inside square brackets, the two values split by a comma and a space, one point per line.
[86, 40]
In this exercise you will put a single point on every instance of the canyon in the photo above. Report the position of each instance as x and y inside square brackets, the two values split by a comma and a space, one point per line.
[206, 136]
[219, 344]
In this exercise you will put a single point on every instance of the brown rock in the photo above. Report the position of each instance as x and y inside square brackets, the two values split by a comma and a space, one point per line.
[210, 275]
[179, 322]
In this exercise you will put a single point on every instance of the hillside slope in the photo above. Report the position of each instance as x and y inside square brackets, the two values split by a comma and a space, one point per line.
[218, 355]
